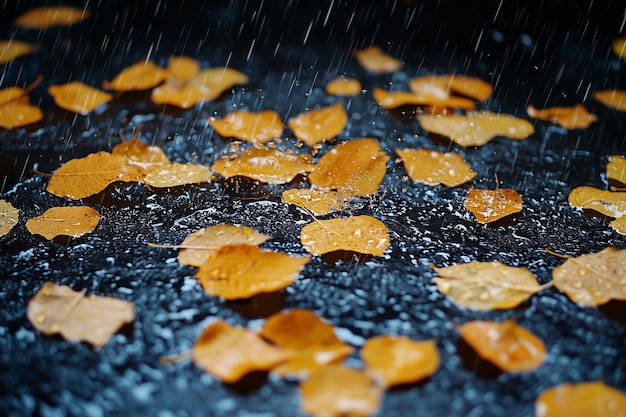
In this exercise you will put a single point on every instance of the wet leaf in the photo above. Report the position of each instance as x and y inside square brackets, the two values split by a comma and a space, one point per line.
[476, 128]
[9, 216]
[11, 49]
[510, 347]
[575, 117]
[616, 168]
[356, 167]
[609, 203]
[176, 174]
[64, 221]
[57, 309]
[229, 353]
[82, 177]
[16, 110]
[315, 126]
[470, 86]
[441, 87]
[619, 47]
[319, 202]
[375, 60]
[45, 17]
[486, 285]
[593, 279]
[78, 97]
[339, 391]
[433, 168]
[241, 271]
[343, 86]
[143, 155]
[395, 360]
[582, 399]
[362, 234]
[253, 127]
[213, 82]
[140, 76]
[198, 247]
[182, 68]
[614, 99]
[390, 100]
[264, 164]
[619, 225]
[492, 205]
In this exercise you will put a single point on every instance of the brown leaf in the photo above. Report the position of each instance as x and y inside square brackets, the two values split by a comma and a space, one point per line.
[609, 203]
[395, 360]
[374, 60]
[59, 309]
[9, 216]
[64, 221]
[176, 174]
[362, 234]
[582, 399]
[614, 99]
[256, 127]
[315, 126]
[241, 271]
[319, 202]
[486, 285]
[229, 353]
[492, 205]
[433, 168]
[505, 344]
[343, 86]
[140, 76]
[78, 97]
[11, 49]
[46, 17]
[593, 279]
[575, 117]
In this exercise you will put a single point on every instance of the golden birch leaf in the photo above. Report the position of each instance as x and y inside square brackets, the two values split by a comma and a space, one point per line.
[616, 168]
[593, 279]
[390, 100]
[614, 99]
[582, 399]
[9, 216]
[213, 82]
[198, 247]
[318, 201]
[609, 203]
[57, 309]
[182, 68]
[491, 205]
[433, 168]
[343, 86]
[469, 86]
[16, 110]
[11, 49]
[374, 60]
[241, 271]
[46, 17]
[256, 127]
[315, 126]
[619, 225]
[141, 154]
[362, 234]
[140, 76]
[510, 347]
[229, 353]
[13, 93]
[619, 47]
[395, 360]
[184, 96]
[575, 117]
[486, 285]
[176, 174]
[78, 97]
[476, 128]
[72, 221]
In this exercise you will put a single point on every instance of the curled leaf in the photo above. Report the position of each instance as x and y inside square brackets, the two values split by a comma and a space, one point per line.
[575, 117]
[140, 76]
[609, 203]
[72, 221]
[176, 174]
[11, 49]
[315, 126]
[45, 17]
[9, 217]
[492, 205]
[78, 97]
[588, 399]
[250, 126]
[374, 60]
[343, 86]
[614, 99]
[433, 168]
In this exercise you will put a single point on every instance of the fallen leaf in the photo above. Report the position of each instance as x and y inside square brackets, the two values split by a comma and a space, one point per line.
[339, 391]
[486, 285]
[616, 168]
[614, 99]
[241, 271]
[264, 164]
[72, 221]
[609, 203]
[593, 279]
[45, 17]
[198, 247]
[176, 174]
[11, 49]
[9, 217]
[619, 47]
[315, 126]
[143, 155]
[256, 127]
[575, 117]
[16, 110]
[140, 76]
[374, 60]
[395, 360]
[441, 86]
[470, 86]
[317, 201]
[393, 99]
[433, 168]
[619, 225]
[229, 353]
[492, 205]
[78, 97]
[343, 86]
[182, 68]
[510, 347]
[57, 309]
[356, 167]
[476, 128]
[83, 177]
[582, 399]
[13, 93]
[362, 234]
[213, 82]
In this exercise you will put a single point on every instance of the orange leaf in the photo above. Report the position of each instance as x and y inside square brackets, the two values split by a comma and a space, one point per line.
[390, 100]
[318, 202]
[10, 94]
[315, 126]
[614, 99]
[362, 234]
[64, 221]
[11, 49]
[229, 353]
[343, 86]
[576, 117]
[395, 360]
[492, 205]
[141, 154]
[470, 86]
[78, 97]
[45, 17]
[176, 174]
[619, 47]
[357, 167]
[609, 203]
[140, 76]
[182, 68]
[433, 168]
[582, 399]
[339, 391]
[213, 82]
[19, 112]
[373, 59]
[59, 309]
[439, 86]
[241, 271]
[508, 346]
[9, 217]
[616, 168]
[250, 126]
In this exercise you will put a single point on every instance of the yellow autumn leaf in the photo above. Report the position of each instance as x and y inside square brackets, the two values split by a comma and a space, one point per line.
[45, 17]
[433, 168]
[11, 49]
[318, 125]
[176, 174]
[73, 221]
[9, 217]
[78, 97]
